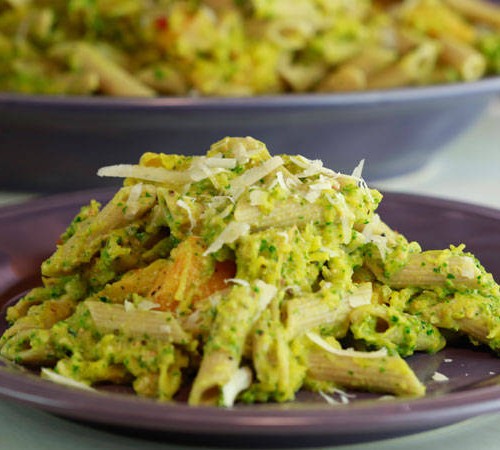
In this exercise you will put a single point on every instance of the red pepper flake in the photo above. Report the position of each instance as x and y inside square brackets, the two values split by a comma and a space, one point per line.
[161, 23]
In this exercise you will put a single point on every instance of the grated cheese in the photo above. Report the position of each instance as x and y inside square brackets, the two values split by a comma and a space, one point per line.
[358, 170]
[182, 204]
[132, 205]
[128, 306]
[318, 340]
[328, 398]
[230, 234]
[311, 167]
[239, 281]
[362, 296]
[147, 305]
[241, 154]
[167, 329]
[281, 180]
[251, 176]
[143, 305]
[371, 232]
[331, 253]
[240, 380]
[220, 162]
[266, 294]
[345, 214]
[55, 377]
[315, 189]
[343, 396]
[315, 167]
[357, 174]
[468, 268]
[258, 197]
[312, 196]
[156, 174]
[439, 377]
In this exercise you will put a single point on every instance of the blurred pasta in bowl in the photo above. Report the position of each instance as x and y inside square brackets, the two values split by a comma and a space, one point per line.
[241, 48]
[389, 81]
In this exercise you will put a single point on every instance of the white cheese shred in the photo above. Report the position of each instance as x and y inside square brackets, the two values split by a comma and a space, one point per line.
[439, 377]
[361, 296]
[182, 204]
[230, 234]
[132, 205]
[241, 380]
[344, 397]
[55, 377]
[156, 174]
[251, 176]
[319, 341]
[266, 294]
[238, 281]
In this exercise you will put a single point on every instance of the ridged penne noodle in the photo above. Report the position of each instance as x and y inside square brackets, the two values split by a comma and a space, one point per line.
[353, 75]
[278, 373]
[474, 315]
[382, 326]
[469, 63]
[111, 318]
[434, 268]
[372, 371]
[480, 10]
[113, 79]
[237, 313]
[413, 68]
[303, 313]
[284, 215]
[82, 246]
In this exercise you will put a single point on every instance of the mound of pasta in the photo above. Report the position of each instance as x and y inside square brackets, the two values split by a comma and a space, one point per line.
[244, 276]
[243, 47]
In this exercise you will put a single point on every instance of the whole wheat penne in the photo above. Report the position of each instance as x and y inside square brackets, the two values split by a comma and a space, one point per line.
[114, 318]
[86, 241]
[480, 10]
[372, 371]
[434, 268]
[113, 79]
[413, 68]
[237, 313]
[470, 63]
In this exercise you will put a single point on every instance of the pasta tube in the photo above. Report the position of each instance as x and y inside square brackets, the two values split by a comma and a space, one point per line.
[371, 371]
[236, 315]
[88, 238]
[113, 79]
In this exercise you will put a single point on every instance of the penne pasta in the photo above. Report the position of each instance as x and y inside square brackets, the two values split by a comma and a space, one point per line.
[145, 48]
[478, 10]
[372, 371]
[244, 277]
[468, 62]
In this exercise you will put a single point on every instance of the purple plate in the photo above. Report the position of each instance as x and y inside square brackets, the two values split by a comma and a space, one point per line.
[27, 236]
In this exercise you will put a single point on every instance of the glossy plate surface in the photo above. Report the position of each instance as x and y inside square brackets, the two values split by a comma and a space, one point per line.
[27, 236]
[64, 139]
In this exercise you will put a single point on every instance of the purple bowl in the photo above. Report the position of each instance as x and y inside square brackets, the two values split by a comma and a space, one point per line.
[56, 143]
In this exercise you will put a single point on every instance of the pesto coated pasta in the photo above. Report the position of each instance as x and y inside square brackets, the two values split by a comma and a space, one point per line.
[244, 277]
[145, 48]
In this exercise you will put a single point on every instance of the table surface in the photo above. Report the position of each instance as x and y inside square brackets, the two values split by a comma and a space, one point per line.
[467, 170]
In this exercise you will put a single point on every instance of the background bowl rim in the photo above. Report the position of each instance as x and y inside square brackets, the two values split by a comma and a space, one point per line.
[387, 96]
